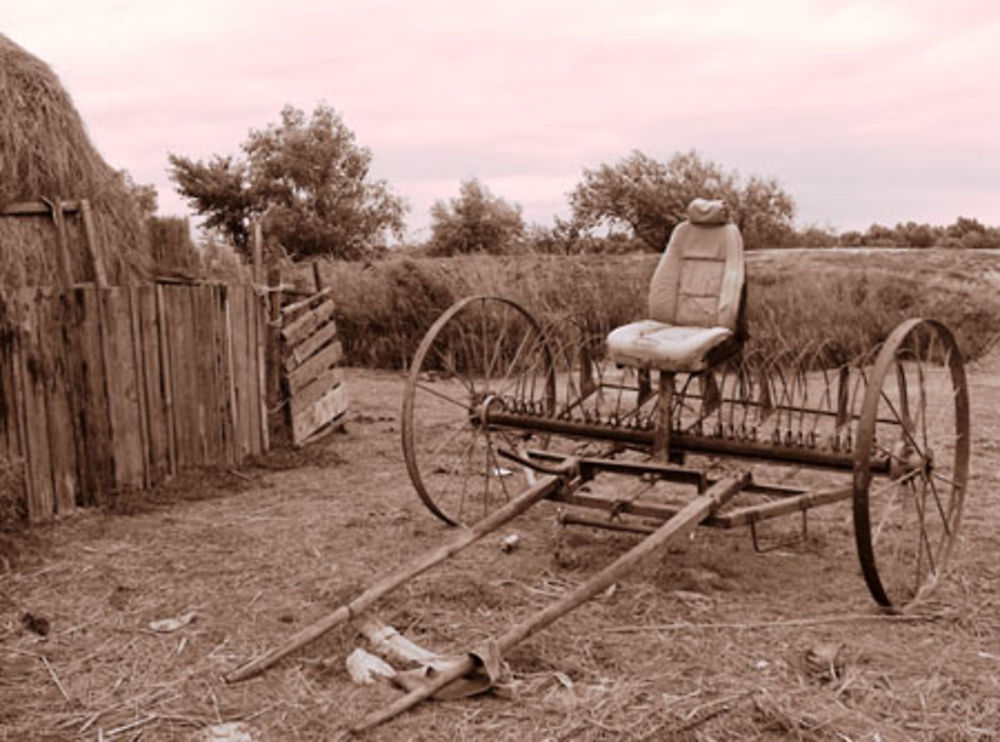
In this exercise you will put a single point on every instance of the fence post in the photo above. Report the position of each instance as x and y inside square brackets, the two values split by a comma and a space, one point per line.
[93, 247]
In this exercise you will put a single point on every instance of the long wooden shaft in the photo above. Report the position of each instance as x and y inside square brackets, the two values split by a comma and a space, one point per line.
[682, 523]
[542, 489]
[685, 521]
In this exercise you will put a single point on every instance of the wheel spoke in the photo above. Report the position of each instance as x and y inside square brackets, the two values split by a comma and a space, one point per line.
[523, 378]
[902, 426]
[467, 460]
[922, 430]
[497, 469]
[449, 363]
[441, 445]
[445, 397]
[920, 503]
[929, 484]
[894, 486]
[497, 347]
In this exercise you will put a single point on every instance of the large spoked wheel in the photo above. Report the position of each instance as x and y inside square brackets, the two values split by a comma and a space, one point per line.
[483, 355]
[915, 419]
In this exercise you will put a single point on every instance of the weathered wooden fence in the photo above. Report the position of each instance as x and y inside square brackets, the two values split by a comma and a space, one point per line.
[104, 390]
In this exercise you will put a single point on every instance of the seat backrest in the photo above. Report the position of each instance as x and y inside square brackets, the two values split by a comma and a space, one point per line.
[701, 279]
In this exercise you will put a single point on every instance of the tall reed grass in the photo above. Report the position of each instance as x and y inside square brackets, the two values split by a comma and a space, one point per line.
[841, 303]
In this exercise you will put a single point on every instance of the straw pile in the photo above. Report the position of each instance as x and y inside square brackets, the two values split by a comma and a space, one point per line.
[45, 153]
[708, 641]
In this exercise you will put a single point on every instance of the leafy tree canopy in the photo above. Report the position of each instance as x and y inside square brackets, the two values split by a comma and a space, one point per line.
[308, 180]
[651, 198]
[476, 221]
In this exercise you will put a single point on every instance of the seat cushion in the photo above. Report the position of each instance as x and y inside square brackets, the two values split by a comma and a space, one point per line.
[657, 345]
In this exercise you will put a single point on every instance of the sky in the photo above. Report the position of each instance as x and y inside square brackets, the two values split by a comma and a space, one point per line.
[864, 111]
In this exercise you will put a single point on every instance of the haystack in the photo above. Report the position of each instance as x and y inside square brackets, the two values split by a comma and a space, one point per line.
[45, 153]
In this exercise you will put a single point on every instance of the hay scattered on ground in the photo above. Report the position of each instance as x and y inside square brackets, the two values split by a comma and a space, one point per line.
[712, 641]
[48, 154]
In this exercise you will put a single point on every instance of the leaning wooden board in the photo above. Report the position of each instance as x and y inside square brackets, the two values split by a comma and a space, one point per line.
[312, 353]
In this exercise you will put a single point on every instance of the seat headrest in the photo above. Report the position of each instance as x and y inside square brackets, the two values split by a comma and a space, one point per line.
[703, 211]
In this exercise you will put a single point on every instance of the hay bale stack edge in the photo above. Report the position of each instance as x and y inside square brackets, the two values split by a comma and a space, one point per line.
[45, 153]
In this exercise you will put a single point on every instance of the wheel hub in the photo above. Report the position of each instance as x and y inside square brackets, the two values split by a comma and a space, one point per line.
[481, 405]
[905, 460]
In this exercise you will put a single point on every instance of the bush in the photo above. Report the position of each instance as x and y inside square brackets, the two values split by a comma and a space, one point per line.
[847, 303]
[475, 222]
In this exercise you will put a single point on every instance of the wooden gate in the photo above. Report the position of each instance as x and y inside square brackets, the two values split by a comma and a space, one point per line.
[311, 352]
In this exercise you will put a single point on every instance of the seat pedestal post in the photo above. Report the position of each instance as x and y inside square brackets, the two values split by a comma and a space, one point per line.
[661, 433]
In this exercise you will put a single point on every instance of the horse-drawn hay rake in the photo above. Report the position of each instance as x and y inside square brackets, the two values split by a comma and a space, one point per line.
[500, 413]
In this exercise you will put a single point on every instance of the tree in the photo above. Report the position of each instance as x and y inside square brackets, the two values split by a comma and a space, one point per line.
[912, 234]
[307, 179]
[220, 191]
[651, 198]
[878, 235]
[814, 236]
[476, 221]
[763, 211]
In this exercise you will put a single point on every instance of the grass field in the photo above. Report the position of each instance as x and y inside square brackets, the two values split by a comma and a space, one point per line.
[844, 300]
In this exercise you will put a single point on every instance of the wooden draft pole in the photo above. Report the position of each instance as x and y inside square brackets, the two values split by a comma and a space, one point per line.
[545, 487]
[678, 526]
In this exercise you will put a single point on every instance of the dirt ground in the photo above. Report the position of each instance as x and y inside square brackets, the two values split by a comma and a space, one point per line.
[710, 642]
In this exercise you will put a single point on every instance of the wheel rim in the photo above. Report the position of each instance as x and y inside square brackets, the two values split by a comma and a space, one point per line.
[482, 354]
[916, 416]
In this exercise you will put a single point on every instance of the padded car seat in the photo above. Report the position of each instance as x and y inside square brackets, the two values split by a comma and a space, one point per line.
[696, 298]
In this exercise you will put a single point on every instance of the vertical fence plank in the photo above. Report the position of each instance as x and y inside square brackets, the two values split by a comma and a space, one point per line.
[250, 388]
[74, 345]
[223, 373]
[21, 412]
[55, 381]
[12, 404]
[263, 362]
[31, 390]
[135, 322]
[238, 342]
[91, 417]
[167, 378]
[123, 389]
[174, 313]
[228, 294]
[204, 352]
[10, 450]
[256, 391]
[182, 371]
[153, 373]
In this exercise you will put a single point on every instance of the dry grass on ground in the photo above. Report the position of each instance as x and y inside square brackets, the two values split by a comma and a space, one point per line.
[709, 642]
